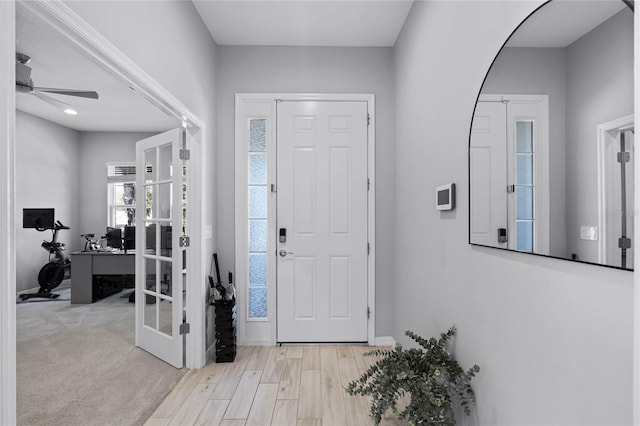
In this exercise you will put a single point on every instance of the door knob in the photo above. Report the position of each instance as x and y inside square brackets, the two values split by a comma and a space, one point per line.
[283, 252]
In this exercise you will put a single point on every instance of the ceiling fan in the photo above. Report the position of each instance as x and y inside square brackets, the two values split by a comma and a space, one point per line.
[24, 84]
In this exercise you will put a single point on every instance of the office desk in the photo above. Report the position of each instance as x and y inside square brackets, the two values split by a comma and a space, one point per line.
[90, 270]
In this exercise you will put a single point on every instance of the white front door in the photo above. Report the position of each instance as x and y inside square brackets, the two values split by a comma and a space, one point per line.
[322, 195]
[488, 175]
[160, 269]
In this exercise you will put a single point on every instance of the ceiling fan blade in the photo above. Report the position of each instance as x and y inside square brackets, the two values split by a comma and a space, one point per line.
[23, 75]
[69, 92]
[48, 99]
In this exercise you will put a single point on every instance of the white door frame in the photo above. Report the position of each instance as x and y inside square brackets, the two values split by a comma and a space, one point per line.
[74, 30]
[7, 219]
[602, 139]
[268, 101]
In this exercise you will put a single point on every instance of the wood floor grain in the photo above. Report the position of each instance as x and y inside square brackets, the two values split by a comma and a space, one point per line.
[281, 386]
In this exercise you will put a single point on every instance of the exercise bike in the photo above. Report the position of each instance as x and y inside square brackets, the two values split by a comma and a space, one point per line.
[51, 274]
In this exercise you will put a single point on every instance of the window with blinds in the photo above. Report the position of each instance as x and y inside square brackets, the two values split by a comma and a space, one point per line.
[121, 194]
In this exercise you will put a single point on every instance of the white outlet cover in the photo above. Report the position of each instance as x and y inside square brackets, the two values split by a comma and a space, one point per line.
[589, 233]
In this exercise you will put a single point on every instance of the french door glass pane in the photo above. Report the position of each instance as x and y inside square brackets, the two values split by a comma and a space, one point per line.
[165, 168]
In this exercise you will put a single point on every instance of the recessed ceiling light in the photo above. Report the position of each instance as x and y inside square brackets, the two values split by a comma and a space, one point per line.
[71, 111]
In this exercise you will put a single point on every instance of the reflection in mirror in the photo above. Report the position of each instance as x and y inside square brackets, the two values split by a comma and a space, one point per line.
[552, 137]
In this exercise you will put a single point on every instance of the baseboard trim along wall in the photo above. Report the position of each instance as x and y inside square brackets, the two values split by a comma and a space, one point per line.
[385, 341]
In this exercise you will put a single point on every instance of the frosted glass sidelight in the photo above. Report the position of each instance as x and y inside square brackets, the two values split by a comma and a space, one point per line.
[257, 169]
[258, 302]
[258, 135]
[524, 136]
[258, 235]
[524, 169]
[524, 203]
[258, 202]
[257, 269]
[524, 236]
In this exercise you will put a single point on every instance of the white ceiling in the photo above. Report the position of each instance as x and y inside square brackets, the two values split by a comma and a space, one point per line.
[304, 22]
[560, 23]
[55, 63]
[255, 22]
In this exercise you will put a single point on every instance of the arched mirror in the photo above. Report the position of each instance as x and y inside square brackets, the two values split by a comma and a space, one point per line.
[551, 143]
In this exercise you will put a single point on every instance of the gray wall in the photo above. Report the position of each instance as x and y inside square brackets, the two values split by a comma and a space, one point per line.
[599, 89]
[47, 157]
[537, 71]
[539, 328]
[312, 70]
[96, 149]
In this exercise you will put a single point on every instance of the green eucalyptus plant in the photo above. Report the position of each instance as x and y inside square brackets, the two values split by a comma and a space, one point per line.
[429, 375]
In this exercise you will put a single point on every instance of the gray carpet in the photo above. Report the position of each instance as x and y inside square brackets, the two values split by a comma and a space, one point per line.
[77, 364]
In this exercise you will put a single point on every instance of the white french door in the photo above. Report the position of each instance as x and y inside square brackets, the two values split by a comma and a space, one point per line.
[160, 257]
[322, 212]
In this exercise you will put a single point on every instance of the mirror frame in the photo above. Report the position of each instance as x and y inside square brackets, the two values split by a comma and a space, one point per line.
[631, 5]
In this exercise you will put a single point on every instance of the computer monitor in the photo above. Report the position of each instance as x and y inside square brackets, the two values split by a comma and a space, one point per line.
[39, 219]
[129, 238]
[114, 238]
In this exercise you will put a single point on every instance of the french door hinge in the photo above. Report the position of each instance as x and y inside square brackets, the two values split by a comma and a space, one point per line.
[624, 243]
[273, 188]
[368, 184]
[368, 249]
[185, 241]
[368, 119]
[185, 154]
[624, 157]
[184, 328]
[368, 312]
[511, 189]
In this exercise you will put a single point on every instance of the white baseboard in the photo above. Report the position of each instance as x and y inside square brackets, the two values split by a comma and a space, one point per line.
[385, 341]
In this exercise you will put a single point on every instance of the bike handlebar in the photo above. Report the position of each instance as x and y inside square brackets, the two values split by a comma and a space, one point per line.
[59, 225]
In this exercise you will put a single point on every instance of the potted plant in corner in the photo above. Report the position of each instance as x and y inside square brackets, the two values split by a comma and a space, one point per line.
[429, 375]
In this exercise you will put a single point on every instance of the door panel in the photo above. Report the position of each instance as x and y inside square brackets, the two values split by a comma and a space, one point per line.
[159, 268]
[322, 203]
[488, 174]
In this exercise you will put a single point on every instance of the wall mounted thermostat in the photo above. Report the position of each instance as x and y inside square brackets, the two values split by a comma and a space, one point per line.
[446, 197]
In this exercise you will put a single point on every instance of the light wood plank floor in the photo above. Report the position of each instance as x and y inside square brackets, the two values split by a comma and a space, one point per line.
[288, 385]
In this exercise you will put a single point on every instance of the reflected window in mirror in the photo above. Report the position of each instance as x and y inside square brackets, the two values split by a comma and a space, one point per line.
[549, 174]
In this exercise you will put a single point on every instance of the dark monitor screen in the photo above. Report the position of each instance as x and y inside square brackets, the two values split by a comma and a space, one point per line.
[38, 218]
[114, 238]
[129, 237]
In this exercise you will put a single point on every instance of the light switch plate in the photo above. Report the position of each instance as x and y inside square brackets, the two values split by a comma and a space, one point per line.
[589, 233]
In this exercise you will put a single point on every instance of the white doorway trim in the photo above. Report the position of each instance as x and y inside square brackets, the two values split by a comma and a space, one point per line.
[603, 137]
[264, 106]
[7, 219]
[74, 30]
